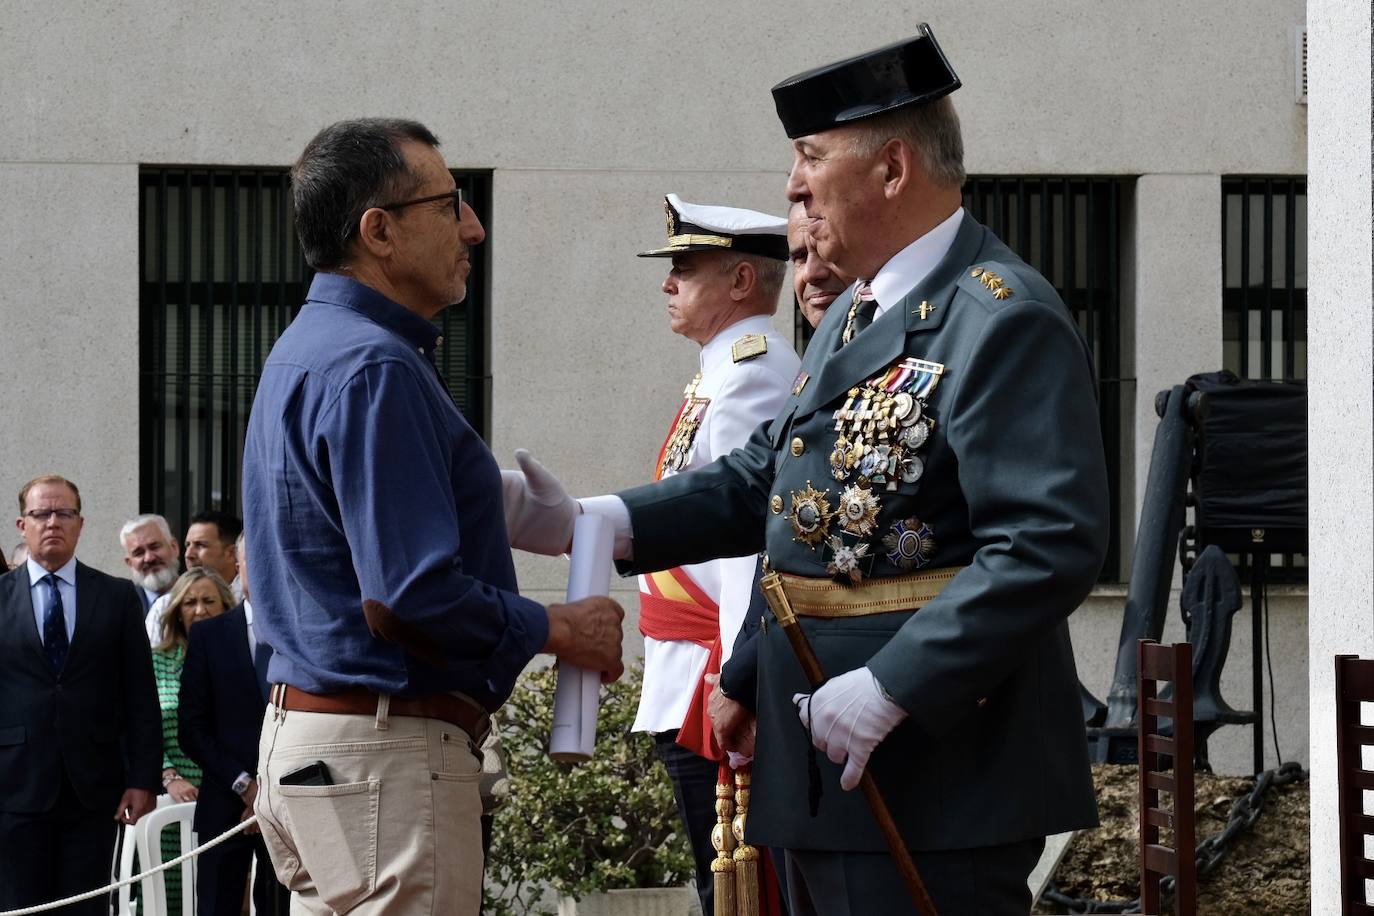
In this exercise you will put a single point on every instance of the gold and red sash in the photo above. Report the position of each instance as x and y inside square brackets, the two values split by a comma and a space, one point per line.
[673, 608]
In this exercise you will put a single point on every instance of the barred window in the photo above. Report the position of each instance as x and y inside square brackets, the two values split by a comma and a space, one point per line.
[222, 275]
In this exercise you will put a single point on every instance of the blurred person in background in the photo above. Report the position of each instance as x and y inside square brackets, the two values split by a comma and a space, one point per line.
[199, 594]
[223, 694]
[151, 553]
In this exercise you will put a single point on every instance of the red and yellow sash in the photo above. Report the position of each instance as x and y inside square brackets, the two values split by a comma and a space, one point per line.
[673, 608]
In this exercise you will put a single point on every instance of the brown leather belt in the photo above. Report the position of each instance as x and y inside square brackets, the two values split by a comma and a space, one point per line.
[447, 707]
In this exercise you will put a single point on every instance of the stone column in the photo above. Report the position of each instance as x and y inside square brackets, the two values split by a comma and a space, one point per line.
[1340, 411]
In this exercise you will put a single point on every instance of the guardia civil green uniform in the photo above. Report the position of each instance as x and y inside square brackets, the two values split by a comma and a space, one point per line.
[1004, 492]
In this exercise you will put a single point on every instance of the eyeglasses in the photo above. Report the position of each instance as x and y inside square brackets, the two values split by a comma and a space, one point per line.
[455, 195]
[42, 515]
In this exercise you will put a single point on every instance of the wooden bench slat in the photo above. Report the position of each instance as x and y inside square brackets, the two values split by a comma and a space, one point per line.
[1159, 818]
[1159, 744]
[1160, 859]
[1161, 781]
[1163, 709]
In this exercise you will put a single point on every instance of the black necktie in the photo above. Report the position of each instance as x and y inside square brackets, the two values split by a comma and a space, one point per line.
[55, 643]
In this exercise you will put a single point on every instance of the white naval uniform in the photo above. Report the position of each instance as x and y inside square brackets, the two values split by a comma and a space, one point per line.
[742, 395]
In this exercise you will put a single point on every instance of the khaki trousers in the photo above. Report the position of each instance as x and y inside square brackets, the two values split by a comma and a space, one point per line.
[399, 830]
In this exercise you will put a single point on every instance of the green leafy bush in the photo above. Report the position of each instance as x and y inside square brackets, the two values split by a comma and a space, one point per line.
[606, 824]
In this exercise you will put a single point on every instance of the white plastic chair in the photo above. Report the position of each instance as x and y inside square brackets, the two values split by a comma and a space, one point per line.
[148, 840]
[127, 905]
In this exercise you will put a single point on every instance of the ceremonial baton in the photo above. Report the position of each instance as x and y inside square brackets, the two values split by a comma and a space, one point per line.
[771, 585]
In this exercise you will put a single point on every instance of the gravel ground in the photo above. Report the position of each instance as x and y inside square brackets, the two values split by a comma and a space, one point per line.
[1264, 872]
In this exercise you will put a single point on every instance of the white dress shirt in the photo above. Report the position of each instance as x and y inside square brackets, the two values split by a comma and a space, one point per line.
[908, 267]
[41, 594]
[252, 637]
[152, 621]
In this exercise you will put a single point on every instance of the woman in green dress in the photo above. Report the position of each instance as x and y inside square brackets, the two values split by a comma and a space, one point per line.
[198, 595]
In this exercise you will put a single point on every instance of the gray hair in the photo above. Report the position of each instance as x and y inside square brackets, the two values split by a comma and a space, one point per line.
[931, 131]
[134, 524]
[770, 272]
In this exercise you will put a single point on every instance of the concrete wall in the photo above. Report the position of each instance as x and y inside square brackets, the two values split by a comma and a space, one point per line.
[1340, 411]
[69, 341]
[588, 113]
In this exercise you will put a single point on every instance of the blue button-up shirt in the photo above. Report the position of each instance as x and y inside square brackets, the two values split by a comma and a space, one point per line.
[362, 480]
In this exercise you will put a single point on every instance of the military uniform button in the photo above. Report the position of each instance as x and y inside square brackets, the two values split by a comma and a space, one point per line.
[798, 447]
[776, 503]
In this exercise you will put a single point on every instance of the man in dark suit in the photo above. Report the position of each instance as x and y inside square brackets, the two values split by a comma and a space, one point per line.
[80, 730]
[223, 694]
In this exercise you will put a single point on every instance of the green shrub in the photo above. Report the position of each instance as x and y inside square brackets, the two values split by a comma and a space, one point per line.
[606, 824]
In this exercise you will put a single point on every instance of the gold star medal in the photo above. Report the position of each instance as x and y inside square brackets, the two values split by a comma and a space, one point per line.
[810, 515]
[858, 510]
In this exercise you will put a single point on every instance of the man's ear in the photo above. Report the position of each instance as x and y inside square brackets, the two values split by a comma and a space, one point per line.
[374, 232]
[898, 164]
[743, 280]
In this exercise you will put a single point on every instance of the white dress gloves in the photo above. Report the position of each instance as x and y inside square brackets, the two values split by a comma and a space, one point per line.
[847, 717]
[539, 513]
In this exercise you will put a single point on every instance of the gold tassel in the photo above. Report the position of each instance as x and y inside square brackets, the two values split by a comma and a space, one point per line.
[746, 856]
[723, 866]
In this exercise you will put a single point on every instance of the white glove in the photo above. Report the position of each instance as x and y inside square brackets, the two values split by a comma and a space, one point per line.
[847, 717]
[539, 512]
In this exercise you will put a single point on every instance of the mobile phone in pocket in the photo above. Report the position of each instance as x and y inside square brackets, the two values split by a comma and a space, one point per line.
[312, 774]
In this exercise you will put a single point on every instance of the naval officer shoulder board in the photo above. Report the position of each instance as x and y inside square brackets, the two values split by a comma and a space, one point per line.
[750, 346]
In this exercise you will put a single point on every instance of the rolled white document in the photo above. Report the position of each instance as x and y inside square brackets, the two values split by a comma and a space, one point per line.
[578, 694]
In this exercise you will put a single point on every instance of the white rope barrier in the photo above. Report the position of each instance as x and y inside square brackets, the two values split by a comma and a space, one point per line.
[44, 907]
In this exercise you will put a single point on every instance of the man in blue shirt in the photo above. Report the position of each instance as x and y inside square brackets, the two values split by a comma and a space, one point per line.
[383, 578]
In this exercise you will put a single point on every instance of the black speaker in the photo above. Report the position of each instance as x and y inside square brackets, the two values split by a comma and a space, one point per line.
[1250, 483]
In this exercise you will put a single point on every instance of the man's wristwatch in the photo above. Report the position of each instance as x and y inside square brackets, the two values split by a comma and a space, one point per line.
[241, 784]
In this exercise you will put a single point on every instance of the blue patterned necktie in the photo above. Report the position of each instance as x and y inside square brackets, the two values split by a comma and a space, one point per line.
[55, 643]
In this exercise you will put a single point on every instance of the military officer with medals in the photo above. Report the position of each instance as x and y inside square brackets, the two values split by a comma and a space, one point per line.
[727, 269]
[934, 495]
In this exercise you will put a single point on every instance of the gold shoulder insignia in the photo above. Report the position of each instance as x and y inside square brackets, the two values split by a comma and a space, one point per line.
[748, 347]
[993, 282]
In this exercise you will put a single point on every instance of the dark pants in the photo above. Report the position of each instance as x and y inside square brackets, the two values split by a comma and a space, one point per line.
[990, 881]
[59, 853]
[222, 872]
[694, 787]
